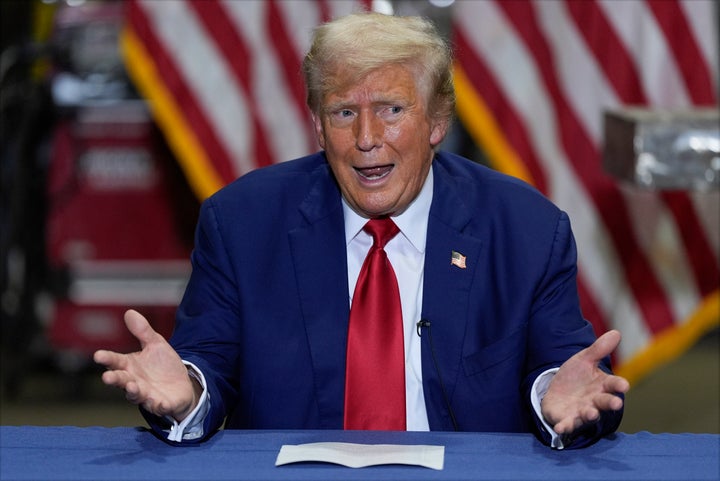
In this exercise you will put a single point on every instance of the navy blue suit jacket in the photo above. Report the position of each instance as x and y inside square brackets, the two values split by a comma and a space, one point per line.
[265, 313]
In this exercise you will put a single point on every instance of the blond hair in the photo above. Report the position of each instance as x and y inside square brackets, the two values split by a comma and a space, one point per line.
[353, 46]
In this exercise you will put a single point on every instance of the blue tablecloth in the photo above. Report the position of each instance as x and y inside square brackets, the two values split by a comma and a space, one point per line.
[71, 453]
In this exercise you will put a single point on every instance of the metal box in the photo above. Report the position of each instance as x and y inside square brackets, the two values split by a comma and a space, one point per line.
[662, 149]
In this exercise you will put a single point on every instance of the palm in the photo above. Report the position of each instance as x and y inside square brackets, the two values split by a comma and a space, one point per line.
[580, 391]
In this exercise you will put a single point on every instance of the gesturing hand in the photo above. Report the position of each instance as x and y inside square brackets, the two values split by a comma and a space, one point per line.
[580, 391]
[154, 377]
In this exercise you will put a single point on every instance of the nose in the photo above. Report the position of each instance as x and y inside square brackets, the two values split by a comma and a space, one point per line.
[368, 131]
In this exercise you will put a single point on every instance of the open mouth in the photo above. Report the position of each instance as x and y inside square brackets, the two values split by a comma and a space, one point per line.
[376, 172]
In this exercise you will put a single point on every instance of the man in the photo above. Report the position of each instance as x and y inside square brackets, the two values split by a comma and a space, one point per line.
[492, 337]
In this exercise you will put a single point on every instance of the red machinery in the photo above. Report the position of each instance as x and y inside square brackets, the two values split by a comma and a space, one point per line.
[120, 215]
[114, 227]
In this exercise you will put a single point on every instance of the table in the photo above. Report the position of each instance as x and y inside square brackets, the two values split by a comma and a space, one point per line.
[72, 453]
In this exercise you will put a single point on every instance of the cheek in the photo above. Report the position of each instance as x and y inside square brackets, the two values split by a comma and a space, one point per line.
[343, 171]
[392, 132]
[337, 140]
[411, 133]
[395, 133]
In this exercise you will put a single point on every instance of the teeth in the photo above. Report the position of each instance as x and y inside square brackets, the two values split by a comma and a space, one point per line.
[374, 176]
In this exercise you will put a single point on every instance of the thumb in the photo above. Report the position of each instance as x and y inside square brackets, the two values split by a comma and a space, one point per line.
[603, 346]
[139, 327]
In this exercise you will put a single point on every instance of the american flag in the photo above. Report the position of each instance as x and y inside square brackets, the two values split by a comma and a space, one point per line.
[533, 79]
[223, 79]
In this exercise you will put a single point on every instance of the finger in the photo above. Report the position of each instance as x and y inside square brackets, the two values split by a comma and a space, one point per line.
[603, 346]
[608, 402]
[615, 384]
[154, 407]
[566, 426]
[115, 378]
[588, 415]
[109, 359]
[137, 395]
[101, 357]
[570, 424]
[133, 393]
[162, 409]
[139, 327]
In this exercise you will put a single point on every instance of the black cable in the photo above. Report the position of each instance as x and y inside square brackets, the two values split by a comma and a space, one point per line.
[426, 324]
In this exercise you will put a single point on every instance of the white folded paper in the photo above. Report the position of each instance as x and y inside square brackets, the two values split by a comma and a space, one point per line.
[362, 455]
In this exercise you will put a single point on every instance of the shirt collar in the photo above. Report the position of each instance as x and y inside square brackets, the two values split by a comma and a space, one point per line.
[412, 223]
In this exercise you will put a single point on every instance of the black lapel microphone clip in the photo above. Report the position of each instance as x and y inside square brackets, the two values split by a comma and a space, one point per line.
[425, 324]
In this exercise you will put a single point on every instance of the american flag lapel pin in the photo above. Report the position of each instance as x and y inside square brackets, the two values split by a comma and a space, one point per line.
[457, 259]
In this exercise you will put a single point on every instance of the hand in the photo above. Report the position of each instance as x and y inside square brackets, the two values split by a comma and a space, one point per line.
[580, 391]
[154, 377]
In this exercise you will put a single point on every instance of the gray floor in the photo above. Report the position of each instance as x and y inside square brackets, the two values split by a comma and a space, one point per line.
[683, 396]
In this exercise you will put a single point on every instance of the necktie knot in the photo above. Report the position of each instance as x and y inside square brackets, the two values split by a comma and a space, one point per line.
[381, 230]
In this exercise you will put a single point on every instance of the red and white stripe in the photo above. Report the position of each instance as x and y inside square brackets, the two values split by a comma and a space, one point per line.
[233, 69]
[547, 70]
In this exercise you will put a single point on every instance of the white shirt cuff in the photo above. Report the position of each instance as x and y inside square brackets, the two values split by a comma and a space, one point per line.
[537, 393]
[192, 426]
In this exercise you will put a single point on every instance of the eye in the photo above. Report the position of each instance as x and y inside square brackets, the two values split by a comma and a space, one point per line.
[391, 112]
[341, 117]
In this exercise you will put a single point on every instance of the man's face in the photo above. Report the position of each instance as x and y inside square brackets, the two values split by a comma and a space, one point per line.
[379, 140]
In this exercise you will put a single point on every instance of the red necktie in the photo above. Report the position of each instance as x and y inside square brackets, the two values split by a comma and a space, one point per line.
[375, 365]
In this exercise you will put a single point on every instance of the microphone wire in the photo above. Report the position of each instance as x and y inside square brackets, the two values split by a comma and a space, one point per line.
[426, 324]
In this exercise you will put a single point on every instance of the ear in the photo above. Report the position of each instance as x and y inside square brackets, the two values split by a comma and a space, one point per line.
[319, 132]
[438, 131]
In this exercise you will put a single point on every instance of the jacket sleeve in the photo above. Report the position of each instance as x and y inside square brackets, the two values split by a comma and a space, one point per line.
[557, 331]
[206, 331]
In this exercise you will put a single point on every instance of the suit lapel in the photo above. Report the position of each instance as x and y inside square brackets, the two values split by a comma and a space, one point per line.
[445, 293]
[322, 284]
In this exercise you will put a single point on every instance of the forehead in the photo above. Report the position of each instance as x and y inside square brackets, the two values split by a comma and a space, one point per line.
[391, 82]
